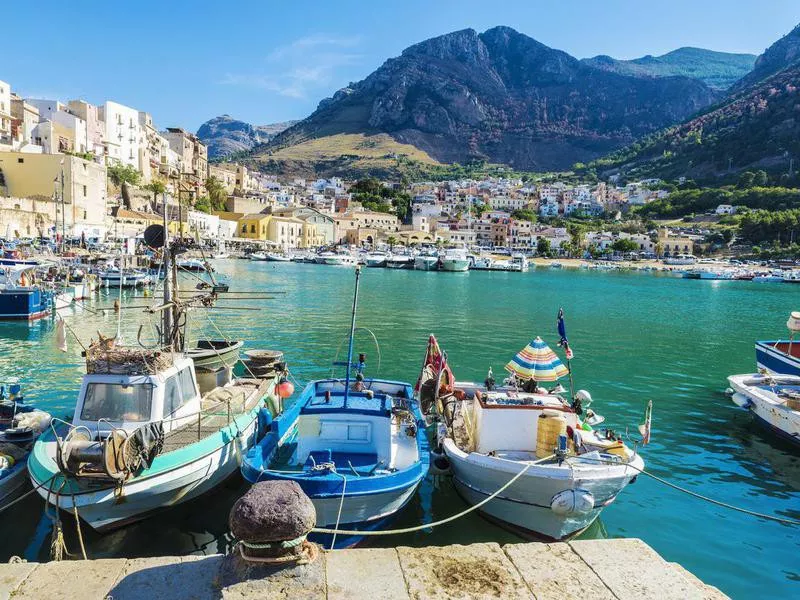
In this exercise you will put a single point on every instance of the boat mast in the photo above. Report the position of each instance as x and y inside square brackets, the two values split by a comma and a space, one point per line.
[352, 333]
[165, 262]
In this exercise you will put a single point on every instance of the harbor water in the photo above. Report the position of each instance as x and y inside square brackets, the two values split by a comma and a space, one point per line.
[636, 337]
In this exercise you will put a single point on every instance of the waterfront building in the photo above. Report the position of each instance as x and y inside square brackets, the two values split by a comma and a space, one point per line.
[381, 221]
[323, 225]
[38, 176]
[95, 127]
[225, 175]
[193, 159]
[122, 134]
[5, 116]
[24, 119]
[672, 245]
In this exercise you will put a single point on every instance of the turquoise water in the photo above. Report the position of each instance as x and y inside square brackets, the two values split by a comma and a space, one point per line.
[636, 337]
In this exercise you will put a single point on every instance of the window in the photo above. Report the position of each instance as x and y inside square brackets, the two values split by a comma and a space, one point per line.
[20, 160]
[117, 402]
[179, 390]
[84, 193]
[252, 228]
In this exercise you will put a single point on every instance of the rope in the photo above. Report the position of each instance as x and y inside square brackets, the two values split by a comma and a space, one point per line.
[282, 545]
[428, 525]
[341, 503]
[78, 527]
[26, 494]
[732, 507]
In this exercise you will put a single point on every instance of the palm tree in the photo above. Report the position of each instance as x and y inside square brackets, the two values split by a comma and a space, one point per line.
[392, 241]
[157, 187]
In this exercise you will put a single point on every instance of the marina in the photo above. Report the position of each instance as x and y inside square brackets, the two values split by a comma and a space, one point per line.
[730, 457]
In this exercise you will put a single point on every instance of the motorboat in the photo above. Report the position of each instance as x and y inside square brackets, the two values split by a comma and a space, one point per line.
[773, 400]
[114, 277]
[519, 262]
[375, 259]
[781, 356]
[277, 257]
[356, 446]
[483, 263]
[340, 258]
[400, 261]
[194, 265]
[427, 260]
[768, 277]
[21, 298]
[455, 259]
[258, 256]
[792, 277]
[554, 473]
[20, 425]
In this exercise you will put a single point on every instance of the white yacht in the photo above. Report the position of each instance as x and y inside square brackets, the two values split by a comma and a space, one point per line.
[427, 260]
[519, 262]
[455, 259]
[376, 259]
[340, 258]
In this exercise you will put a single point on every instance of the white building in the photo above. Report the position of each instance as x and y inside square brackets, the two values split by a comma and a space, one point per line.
[208, 226]
[725, 209]
[5, 116]
[122, 133]
[548, 209]
[507, 203]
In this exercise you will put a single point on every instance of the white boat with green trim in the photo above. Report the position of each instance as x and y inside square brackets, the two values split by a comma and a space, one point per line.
[148, 439]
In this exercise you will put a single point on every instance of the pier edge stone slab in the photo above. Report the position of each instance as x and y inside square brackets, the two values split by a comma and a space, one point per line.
[365, 574]
[712, 593]
[185, 577]
[554, 571]
[11, 577]
[474, 572]
[239, 579]
[632, 569]
[70, 579]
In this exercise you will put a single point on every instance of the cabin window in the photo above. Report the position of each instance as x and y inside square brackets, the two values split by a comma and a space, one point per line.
[344, 432]
[117, 402]
[178, 390]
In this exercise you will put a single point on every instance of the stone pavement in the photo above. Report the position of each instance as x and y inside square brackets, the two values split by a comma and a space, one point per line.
[599, 569]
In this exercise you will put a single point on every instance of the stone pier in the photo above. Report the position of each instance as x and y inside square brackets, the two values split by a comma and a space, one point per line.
[597, 569]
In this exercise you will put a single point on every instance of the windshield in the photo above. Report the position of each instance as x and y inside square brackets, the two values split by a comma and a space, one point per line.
[117, 402]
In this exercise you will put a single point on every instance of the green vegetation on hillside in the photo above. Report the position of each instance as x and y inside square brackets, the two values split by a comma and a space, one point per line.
[686, 202]
[373, 195]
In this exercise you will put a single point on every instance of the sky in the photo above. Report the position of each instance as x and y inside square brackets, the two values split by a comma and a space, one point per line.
[267, 61]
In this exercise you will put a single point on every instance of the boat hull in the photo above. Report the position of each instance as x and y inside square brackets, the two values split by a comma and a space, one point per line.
[772, 356]
[160, 487]
[455, 265]
[526, 505]
[777, 418]
[426, 263]
[24, 304]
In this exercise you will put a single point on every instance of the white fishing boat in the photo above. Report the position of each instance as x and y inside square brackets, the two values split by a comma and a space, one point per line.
[258, 256]
[277, 257]
[552, 473]
[455, 259]
[781, 356]
[773, 400]
[114, 277]
[483, 263]
[193, 264]
[147, 432]
[792, 277]
[769, 277]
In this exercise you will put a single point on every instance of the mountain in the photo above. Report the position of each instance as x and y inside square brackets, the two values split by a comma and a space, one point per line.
[501, 97]
[225, 135]
[780, 55]
[718, 70]
[755, 128]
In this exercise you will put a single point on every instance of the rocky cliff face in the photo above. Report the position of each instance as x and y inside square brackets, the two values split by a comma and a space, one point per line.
[780, 55]
[504, 97]
[225, 135]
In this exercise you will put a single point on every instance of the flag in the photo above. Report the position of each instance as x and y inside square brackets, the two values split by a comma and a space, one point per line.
[644, 428]
[437, 361]
[562, 331]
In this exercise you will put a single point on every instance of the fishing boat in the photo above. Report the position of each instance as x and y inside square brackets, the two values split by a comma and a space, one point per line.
[773, 400]
[792, 277]
[455, 259]
[258, 256]
[781, 356]
[147, 434]
[552, 473]
[20, 297]
[194, 265]
[680, 260]
[768, 277]
[20, 425]
[356, 446]
[215, 354]
[277, 257]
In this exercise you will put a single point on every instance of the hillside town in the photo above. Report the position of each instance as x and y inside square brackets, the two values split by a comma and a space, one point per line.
[75, 170]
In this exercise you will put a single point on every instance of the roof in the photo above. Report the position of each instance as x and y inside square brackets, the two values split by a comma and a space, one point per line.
[227, 216]
[255, 217]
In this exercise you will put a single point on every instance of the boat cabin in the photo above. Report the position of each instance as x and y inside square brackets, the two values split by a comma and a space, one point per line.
[109, 401]
[360, 434]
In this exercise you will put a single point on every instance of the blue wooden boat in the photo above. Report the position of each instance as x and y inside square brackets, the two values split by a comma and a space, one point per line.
[19, 299]
[357, 448]
[781, 357]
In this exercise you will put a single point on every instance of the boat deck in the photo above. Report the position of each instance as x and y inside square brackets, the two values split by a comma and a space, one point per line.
[216, 414]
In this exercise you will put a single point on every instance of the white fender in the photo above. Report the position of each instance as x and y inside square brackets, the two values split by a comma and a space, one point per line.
[571, 502]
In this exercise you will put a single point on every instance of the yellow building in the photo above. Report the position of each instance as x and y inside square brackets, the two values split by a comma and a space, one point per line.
[253, 227]
[287, 232]
[672, 245]
[415, 237]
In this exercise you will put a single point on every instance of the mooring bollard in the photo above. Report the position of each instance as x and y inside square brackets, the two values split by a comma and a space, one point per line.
[271, 522]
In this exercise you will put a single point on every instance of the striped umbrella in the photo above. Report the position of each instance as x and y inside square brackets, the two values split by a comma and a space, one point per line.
[538, 362]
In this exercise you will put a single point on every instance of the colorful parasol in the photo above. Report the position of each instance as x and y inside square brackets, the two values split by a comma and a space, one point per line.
[538, 362]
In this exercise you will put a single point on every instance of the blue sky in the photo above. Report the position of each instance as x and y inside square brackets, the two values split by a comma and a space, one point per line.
[268, 61]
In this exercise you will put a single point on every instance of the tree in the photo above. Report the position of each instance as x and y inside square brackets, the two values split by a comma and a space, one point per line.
[122, 176]
[524, 214]
[760, 178]
[158, 188]
[624, 246]
[217, 194]
[746, 180]
[392, 241]
[543, 247]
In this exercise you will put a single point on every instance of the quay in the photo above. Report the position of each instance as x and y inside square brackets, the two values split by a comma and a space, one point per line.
[609, 569]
